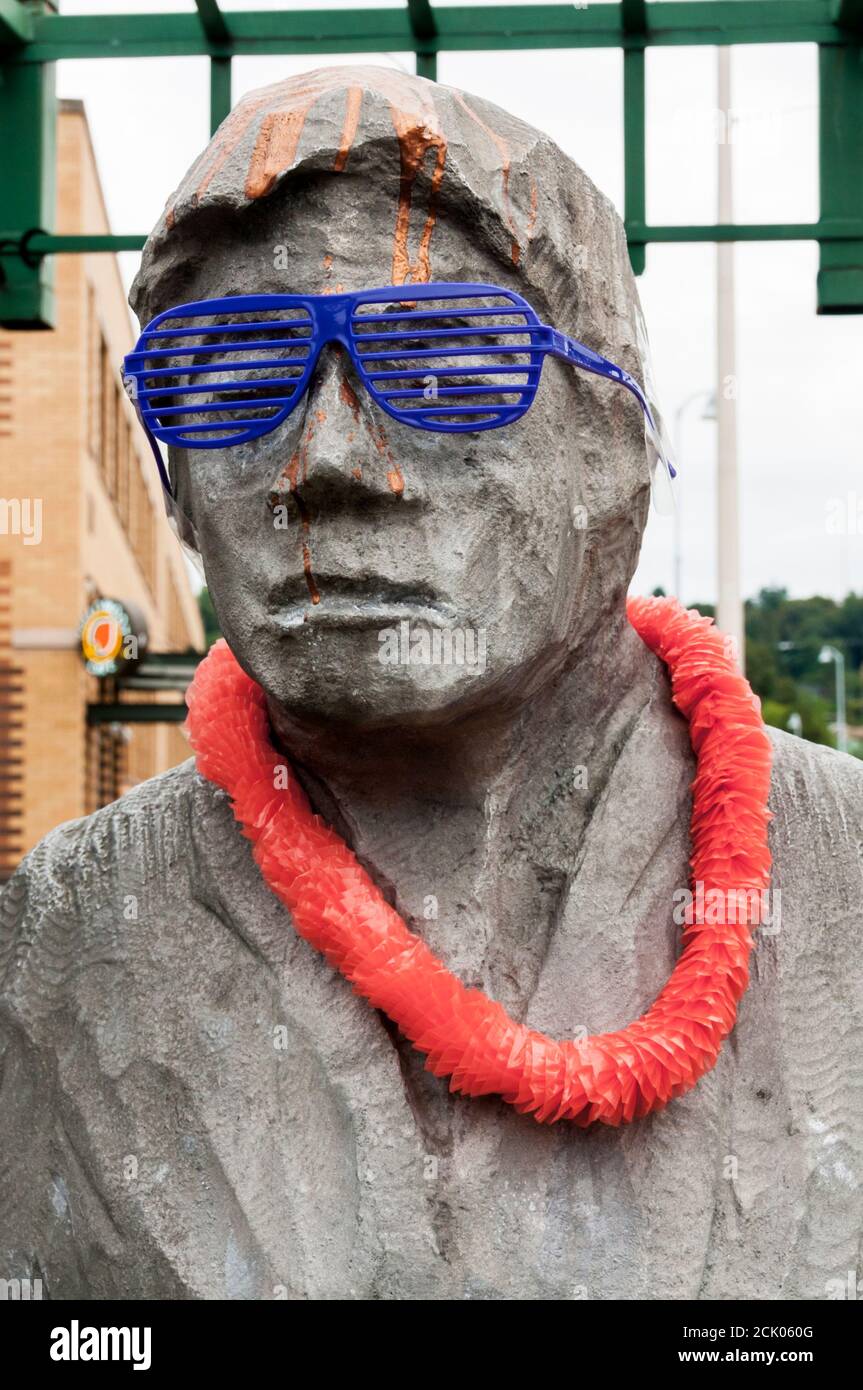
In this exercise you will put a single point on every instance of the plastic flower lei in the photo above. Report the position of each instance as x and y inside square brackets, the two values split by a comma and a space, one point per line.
[610, 1077]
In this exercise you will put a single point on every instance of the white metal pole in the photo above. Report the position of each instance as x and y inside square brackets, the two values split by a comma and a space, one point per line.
[830, 653]
[678, 518]
[729, 607]
[841, 718]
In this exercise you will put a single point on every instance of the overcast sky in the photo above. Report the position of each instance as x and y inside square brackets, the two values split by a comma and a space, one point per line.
[800, 376]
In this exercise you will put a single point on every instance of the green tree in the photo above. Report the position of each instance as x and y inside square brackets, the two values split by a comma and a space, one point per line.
[784, 638]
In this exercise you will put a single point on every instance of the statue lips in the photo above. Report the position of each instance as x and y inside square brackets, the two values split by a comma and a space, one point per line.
[365, 601]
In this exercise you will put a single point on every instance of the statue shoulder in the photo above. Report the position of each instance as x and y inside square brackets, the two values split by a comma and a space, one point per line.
[87, 875]
[816, 778]
[816, 836]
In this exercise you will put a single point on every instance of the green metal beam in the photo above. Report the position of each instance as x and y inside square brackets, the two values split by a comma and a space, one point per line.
[16, 26]
[171, 661]
[698, 22]
[458, 29]
[422, 20]
[828, 230]
[424, 28]
[29, 39]
[213, 22]
[639, 233]
[633, 14]
[850, 15]
[252, 32]
[45, 244]
[117, 713]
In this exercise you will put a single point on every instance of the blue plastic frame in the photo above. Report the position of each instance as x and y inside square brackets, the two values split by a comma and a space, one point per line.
[330, 319]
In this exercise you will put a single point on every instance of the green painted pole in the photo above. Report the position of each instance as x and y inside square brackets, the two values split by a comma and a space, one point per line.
[220, 91]
[427, 66]
[633, 19]
[634, 180]
[840, 273]
[424, 29]
[28, 123]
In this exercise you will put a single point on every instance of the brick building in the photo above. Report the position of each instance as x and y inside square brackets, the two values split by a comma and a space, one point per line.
[81, 517]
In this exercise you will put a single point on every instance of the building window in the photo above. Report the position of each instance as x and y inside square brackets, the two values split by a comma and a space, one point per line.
[139, 517]
[11, 736]
[102, 372]
[123, 466]
[94, 378]
[5, 388]
[110, 402]
[105, 764]
[178, 637]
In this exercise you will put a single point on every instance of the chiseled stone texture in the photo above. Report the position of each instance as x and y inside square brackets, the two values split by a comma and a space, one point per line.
[193, 1104]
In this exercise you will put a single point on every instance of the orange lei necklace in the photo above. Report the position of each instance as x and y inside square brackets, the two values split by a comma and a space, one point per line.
[334, 905]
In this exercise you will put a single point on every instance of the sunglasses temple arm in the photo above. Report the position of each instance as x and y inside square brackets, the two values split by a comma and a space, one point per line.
[157, 455]
[569, 350]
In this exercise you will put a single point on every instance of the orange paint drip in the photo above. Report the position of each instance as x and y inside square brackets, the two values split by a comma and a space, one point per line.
[314, 593]
[275, 148]
[212, 158]
[349, 129]
[382, 444]
[396, 481]
[228, 137]
[304, 449]
[286, 106]
[348, 396]
[290, 475]
[414, 143]
[293, 471]
[505, 164]
[394, 473]
[305, 522]
[279, 135]
[531, 221]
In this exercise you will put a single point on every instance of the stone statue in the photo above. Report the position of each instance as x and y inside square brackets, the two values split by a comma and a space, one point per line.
[194, 1104]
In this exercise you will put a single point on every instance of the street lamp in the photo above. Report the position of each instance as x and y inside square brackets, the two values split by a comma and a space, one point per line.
[709, 413]
[828, 654]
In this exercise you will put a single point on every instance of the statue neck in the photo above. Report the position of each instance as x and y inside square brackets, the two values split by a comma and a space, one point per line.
[570, 729]
[474, 832]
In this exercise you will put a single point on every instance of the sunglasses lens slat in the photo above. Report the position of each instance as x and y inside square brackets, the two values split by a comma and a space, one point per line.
[205, 377]
[467, 361]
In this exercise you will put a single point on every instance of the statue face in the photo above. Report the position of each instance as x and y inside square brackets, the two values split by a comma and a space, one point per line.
[400, 534]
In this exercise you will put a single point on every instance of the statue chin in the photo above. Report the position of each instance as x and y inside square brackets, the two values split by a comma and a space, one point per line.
[378, 670]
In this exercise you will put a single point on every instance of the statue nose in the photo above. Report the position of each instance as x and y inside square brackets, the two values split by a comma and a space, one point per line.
[343, 446]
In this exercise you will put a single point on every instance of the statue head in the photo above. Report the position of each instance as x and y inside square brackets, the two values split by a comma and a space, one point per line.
[323, 538]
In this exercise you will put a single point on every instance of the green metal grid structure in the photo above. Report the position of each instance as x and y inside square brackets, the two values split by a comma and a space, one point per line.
[33, 37]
